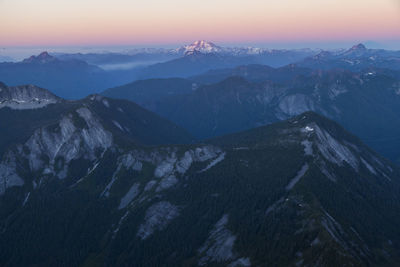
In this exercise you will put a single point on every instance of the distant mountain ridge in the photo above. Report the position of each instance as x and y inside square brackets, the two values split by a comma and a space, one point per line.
[78, 75]
[67, 78]
[75, 76]
[43, 57]
[364, 102]
[356, 58]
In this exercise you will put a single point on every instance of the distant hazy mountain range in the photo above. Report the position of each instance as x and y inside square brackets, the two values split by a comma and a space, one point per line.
[99, 181]
[356, 58]
[78, 75]
[202, 56]
[5, 59]
[201, 46]
[68, 78]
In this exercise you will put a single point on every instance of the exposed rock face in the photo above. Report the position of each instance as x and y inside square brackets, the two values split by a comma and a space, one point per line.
[67, 142]
[169, 168]
[8, 174]
[51, 148]
[132, 193]
[26, 97]
[157, 218]
[219, 247]
[296, 104]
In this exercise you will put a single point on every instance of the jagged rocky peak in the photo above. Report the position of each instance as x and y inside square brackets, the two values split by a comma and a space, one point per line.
[26, 97]
[43, 57]
[356, 51]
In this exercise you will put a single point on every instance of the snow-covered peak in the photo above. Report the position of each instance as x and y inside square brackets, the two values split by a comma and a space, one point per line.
[26, 97]
[201, 46]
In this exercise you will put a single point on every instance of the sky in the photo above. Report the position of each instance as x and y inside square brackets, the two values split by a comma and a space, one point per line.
[169, 22]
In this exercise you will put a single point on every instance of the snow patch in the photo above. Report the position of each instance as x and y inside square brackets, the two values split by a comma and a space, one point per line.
[307, 129]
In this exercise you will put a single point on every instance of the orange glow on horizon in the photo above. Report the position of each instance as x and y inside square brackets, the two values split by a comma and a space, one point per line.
[125, 22]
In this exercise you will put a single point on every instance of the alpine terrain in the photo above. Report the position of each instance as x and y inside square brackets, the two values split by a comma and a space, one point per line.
[229, 100]
[102, 182]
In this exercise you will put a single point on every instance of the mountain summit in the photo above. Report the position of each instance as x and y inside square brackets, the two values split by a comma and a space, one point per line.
[358, 50]
[201, 46]
[43, 57]
[359, 47]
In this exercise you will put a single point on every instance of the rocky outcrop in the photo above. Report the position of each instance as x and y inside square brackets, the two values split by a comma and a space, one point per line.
[26, 97]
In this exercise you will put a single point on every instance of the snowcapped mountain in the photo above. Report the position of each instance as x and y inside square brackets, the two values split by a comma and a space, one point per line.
[206, 47]
[200, 46]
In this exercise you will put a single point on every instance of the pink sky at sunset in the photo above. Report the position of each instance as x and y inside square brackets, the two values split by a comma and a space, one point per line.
[123, 22]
